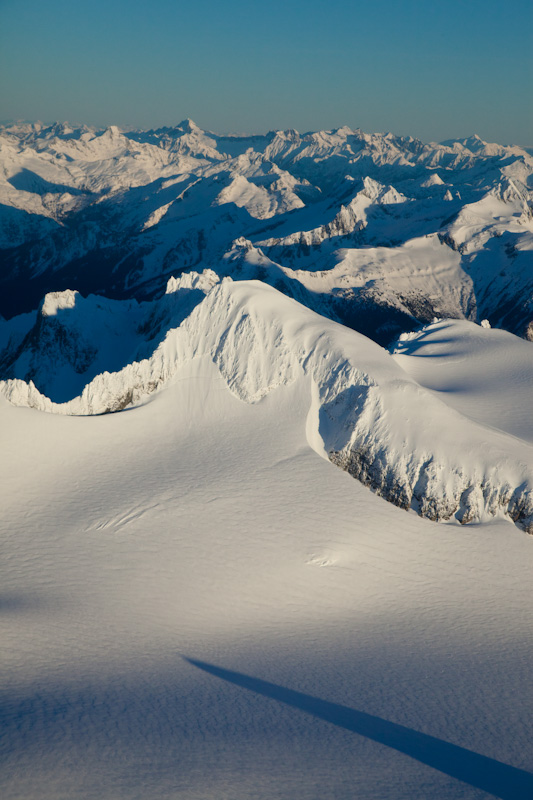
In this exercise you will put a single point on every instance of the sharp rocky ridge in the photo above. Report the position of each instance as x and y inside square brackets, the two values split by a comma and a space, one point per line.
[127, 254]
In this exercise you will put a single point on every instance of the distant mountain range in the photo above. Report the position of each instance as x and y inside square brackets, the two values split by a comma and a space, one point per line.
[374, 230]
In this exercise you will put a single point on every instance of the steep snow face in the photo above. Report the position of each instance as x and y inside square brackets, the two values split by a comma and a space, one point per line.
[69, 341]
[360, 228]
[260, 202]
[433, 180]
[420, 279]
[505, 208]
[370, 417]
[209, 521]
[119, 212]
[73, 339]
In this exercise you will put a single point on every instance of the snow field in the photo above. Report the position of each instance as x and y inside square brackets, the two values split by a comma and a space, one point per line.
[200, 526]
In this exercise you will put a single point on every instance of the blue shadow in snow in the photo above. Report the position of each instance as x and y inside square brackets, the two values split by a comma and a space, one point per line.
[481, 772]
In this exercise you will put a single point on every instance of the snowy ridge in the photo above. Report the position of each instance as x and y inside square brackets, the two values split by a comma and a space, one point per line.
[351, 217]
[366, 413]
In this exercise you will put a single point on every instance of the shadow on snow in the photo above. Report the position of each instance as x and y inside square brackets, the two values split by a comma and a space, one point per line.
[481, 772]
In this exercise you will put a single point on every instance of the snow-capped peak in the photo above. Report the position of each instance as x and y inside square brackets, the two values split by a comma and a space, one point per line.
[433, 180]
[56, 301]
[189, 126]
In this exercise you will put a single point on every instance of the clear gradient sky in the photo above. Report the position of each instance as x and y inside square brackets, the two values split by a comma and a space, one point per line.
[429, 68]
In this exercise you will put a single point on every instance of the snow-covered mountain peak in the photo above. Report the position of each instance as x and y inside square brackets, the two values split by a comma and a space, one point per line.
[345, 130]
[56, 301]
[237, 296]
[189, 126]
[241, 243]
[240, 255]
[433, 180]
[193, 280]
[474, 142]
[377, 192]
[509, 191]
[112, 132]
[290, 134]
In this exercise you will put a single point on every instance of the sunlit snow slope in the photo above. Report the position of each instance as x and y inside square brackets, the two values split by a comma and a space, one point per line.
[160, 563]
[485, 374]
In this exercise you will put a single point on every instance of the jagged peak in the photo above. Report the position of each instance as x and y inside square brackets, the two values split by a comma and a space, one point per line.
[433, 180]
[56, 301]
[507, 190]
[189, 126]
[289, 134]
[112, 132]
[344, 130]
[203, 281]
[377, 191]
[240, 244]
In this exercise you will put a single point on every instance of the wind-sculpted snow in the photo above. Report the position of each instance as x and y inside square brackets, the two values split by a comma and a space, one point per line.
[117, 213]
[366, 414]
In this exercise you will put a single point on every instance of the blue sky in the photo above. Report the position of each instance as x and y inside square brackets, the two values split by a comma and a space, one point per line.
[428, 68]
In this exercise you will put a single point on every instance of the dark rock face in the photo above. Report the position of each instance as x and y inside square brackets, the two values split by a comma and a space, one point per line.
[467, 505]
